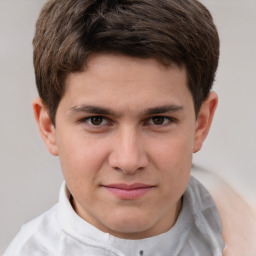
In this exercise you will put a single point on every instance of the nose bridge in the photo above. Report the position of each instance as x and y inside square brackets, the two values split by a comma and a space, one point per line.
[128, 153]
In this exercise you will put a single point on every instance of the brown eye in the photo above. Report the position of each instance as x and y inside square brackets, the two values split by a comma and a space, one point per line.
[96, 120]
[158, 120]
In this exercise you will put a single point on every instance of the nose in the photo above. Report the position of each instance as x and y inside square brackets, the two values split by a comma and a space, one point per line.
[128, 152]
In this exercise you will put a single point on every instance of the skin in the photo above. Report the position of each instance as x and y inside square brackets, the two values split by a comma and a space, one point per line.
[238, 218]
[126, 120]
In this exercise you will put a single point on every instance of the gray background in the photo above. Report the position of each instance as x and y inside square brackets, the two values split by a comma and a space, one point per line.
[30, 177]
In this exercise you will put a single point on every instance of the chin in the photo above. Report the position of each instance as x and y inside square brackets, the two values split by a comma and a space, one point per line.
[131, 227]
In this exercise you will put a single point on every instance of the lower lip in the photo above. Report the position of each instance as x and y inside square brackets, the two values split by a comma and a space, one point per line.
[129, 194]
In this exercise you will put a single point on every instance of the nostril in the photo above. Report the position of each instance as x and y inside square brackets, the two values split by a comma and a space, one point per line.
[127, 161]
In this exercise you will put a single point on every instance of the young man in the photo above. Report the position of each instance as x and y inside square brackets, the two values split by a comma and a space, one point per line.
[125, 101]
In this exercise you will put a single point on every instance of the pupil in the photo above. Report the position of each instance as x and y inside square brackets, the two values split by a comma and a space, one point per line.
[96, 120]
[158, 120]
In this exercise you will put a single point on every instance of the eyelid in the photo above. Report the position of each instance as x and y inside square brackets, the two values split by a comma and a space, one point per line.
[108, 122]
[169, 120]
[88, 118]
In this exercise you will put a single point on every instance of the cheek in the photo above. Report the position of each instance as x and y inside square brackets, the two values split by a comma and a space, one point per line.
[81, 158]
[174, 152]
[173, 160]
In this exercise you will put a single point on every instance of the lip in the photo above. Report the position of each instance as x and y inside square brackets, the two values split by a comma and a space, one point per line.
[129, 191]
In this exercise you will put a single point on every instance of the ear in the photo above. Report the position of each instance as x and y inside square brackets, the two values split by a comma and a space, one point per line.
[45, 126]
[204, 120]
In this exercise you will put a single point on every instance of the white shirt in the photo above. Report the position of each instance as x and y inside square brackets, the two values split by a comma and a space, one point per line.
[61, 232]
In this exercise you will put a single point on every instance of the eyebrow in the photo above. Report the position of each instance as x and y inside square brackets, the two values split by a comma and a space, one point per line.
[92, 110]
[106, 111]
[163, 109]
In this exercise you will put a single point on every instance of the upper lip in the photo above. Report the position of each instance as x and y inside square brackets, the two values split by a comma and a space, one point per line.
[128, 186]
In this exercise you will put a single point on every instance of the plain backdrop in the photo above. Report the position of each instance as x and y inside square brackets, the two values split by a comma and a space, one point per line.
[30, 177]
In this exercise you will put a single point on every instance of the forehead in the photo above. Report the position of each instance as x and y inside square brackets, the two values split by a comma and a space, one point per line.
[111, 79]
[104, 63]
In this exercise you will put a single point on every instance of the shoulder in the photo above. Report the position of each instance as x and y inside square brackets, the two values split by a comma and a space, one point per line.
[33, 235]
[206, 230]
[237, 218]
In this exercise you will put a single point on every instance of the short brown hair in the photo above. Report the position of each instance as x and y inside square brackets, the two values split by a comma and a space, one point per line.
[179, 32]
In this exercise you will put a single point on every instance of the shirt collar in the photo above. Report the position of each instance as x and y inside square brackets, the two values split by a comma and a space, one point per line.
[75, 226]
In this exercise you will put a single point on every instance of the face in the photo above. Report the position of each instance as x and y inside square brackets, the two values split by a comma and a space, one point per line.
[125, 134]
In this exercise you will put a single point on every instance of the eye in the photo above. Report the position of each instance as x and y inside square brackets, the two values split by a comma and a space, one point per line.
[159, 120]
[95, 121]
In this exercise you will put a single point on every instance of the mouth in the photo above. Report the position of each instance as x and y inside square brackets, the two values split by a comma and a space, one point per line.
[129, 191]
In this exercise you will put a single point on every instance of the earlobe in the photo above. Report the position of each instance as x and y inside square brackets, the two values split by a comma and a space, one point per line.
[204, 120]
[45, 126]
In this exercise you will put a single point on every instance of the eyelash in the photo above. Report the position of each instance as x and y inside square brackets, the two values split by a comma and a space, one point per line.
[88, 120]
[107, 122]
[166, 120]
